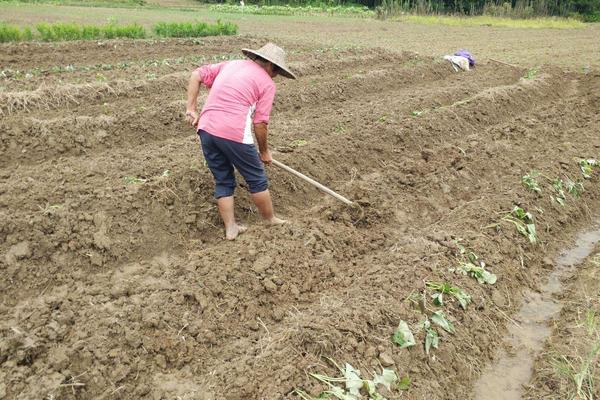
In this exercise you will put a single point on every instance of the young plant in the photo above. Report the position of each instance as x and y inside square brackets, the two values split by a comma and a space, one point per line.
[439, 318]
[403, 337]
[574, 188]
[441, 288]
[134, 180]
[432, 338]
[586, 167]
[523, 222]
[560, 198]
[349, 386]
[530, 181]
[476, 269]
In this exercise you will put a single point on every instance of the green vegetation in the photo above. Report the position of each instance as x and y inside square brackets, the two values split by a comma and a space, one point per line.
[534, 23]
[340, 10]
[441, 288]
[10, 33]
[73, 31]
[530, 181]
[403, 337]
[350, 384]
[198, 29]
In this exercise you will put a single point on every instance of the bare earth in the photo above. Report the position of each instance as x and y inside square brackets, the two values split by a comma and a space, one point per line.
[116, 282]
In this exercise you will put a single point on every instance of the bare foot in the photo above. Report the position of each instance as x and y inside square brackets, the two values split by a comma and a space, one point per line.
[234, 231]
[276, 221]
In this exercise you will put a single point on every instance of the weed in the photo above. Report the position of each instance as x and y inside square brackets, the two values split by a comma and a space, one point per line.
[441, 288]
[339, 129]
[531, 73]
[530, 181]
[403, 337]
[134, 180]
[299, 143]
[404, 383]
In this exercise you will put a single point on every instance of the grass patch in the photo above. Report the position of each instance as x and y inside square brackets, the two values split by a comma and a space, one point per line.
[343, 11]
[73, 31]
[197, 29]
[535, 23]
[9, 33]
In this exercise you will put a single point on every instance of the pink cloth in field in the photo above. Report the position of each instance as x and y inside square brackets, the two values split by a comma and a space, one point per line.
[241, 93]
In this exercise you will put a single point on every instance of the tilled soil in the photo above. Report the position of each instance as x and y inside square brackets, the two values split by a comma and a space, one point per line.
[117, 283]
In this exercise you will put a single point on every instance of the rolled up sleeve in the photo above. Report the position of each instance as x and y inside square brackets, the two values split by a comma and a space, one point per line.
[264, 105]
[207, 73]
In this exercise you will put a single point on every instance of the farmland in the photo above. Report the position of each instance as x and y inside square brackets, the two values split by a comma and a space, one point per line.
[116, 282]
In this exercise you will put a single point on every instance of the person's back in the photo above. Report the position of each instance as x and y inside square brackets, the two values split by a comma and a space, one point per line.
[241, 94]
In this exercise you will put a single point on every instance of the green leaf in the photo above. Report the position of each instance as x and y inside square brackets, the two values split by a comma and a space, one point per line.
[431, 340]
[403, 337]
[488, 277]
[404, 383]
[439, 319]
[387, 378]
[531, 233]
[353, 380]
[438, 299]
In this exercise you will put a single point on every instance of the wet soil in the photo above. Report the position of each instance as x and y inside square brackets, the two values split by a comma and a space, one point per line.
[116, 282]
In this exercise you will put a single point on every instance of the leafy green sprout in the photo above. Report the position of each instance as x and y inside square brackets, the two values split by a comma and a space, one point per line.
[416, 113]
[432, 339]
[531, 73]
[441, 288]
[339, 129]
[523, 222]
[404, 383]
[134, 180]
[586, 167]
[574, 188]
[558, 186]
[530, 181]
[299, 143]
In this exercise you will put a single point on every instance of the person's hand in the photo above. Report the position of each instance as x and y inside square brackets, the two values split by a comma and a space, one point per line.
[192, 118]
[266, 157]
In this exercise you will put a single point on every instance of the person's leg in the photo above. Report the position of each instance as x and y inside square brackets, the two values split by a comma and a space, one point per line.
[265, 207]
[226, 210]
[222, 171]
[246, 160]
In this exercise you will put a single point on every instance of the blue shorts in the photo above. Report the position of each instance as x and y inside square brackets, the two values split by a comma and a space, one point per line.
[223, 154]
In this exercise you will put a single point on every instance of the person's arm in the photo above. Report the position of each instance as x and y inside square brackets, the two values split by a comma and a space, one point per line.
[191, 113]
[261, 131]
[206, 75]
[261, 121]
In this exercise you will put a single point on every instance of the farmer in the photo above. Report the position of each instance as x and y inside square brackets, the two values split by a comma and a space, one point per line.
[239, 101]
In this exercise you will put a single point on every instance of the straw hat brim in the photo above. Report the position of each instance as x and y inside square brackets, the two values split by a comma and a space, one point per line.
[284, 70]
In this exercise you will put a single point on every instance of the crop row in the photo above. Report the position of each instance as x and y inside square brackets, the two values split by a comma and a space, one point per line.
[73, 31]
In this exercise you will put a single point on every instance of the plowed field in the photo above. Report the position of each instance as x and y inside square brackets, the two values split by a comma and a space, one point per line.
[116, 282]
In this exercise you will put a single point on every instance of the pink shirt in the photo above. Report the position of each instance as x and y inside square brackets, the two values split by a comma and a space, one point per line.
[241, 93]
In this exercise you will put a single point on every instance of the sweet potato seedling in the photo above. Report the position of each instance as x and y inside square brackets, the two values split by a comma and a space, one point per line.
[523, 222]
[351, 386]
[530, 182]
[441, 288]
[403, 337]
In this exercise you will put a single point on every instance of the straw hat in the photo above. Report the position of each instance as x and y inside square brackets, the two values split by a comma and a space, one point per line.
[274, 54]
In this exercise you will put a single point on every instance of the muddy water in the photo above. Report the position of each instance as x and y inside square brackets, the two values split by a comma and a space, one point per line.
[503, 380]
